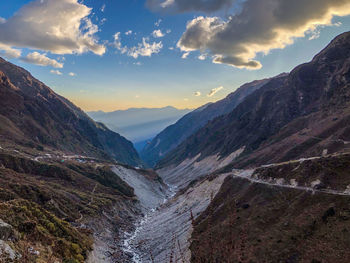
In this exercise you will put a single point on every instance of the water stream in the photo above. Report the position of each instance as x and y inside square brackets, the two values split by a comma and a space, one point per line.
[128, 245]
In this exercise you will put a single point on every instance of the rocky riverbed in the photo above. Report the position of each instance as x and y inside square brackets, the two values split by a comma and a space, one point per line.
[164, 232]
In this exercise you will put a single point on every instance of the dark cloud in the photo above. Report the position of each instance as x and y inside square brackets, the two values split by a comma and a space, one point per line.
[260, 26]
[180, 6]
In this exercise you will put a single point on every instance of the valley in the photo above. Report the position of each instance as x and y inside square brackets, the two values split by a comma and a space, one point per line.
[260, 176]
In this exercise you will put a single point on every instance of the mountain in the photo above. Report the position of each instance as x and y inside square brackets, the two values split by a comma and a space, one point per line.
[175, 134]
[36, 118]
[139, 124]
[303, 114]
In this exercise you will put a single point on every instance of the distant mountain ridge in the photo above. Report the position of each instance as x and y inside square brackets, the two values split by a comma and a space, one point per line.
[305, 113]
[175, 134]
[34, 116]
[139, 124]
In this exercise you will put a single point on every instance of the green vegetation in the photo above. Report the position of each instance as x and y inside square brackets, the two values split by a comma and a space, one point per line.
[46, 204]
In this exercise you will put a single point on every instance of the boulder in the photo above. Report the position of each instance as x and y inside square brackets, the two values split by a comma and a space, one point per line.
[6, 230]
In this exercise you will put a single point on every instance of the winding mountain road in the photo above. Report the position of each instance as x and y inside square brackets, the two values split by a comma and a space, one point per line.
[249, 175]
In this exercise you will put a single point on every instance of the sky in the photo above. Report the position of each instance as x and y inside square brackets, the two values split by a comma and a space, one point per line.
[117, 54]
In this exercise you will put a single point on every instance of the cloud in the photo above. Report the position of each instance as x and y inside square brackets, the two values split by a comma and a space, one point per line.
[214, 91]
[158, 33]
[202, 57]
[197, 93]
[59, 27]
[129, 32]
[185, 55]
[103, 8]
[56, 72]
[259, 27]
[41, 60]
[72, 74]
[181, 6]
[143, 49]
[9, 52]
[157, 24]
[2, 20]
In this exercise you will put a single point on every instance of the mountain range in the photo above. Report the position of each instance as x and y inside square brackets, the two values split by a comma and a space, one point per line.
[175, 134]
[139, 124]
[300, 114]
[260, 176]
[34, 117]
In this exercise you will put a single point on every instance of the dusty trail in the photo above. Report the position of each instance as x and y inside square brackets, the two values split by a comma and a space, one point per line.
[248, 175]
[90, 202]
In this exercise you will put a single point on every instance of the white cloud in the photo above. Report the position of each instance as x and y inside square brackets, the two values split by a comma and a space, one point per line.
[214, 91]
[59, 27]
[103, 8]
[2, 20]
[157, 24]
[197, 93]
[9, 52]
[202, 57]
[143, 49]
[168, 31]
[41, 60]
[129, 32]
[56, 72]
[258, 27]
[185, 55]
[117, 41]
[72, 74]
[158, 33]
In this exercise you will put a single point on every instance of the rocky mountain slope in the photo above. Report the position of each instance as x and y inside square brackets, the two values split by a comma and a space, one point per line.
[33, 116]
[284, 152]
[72, 211]
[175, 134]
[301, 114]
[46, 207]
[292, 212]
[139, 124]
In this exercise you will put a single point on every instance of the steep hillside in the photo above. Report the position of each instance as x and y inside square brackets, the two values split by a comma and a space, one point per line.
[293, 212]
[138, 124]
[33, 116]
[175, 134]
[49, 211]
[313, 100]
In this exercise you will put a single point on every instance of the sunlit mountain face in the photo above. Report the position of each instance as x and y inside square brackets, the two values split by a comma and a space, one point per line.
[179, 131]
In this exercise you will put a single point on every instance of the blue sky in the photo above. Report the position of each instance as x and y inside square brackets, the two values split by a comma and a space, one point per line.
[118, 81]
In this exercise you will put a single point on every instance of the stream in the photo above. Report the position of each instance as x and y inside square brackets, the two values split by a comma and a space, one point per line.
[128, 246]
